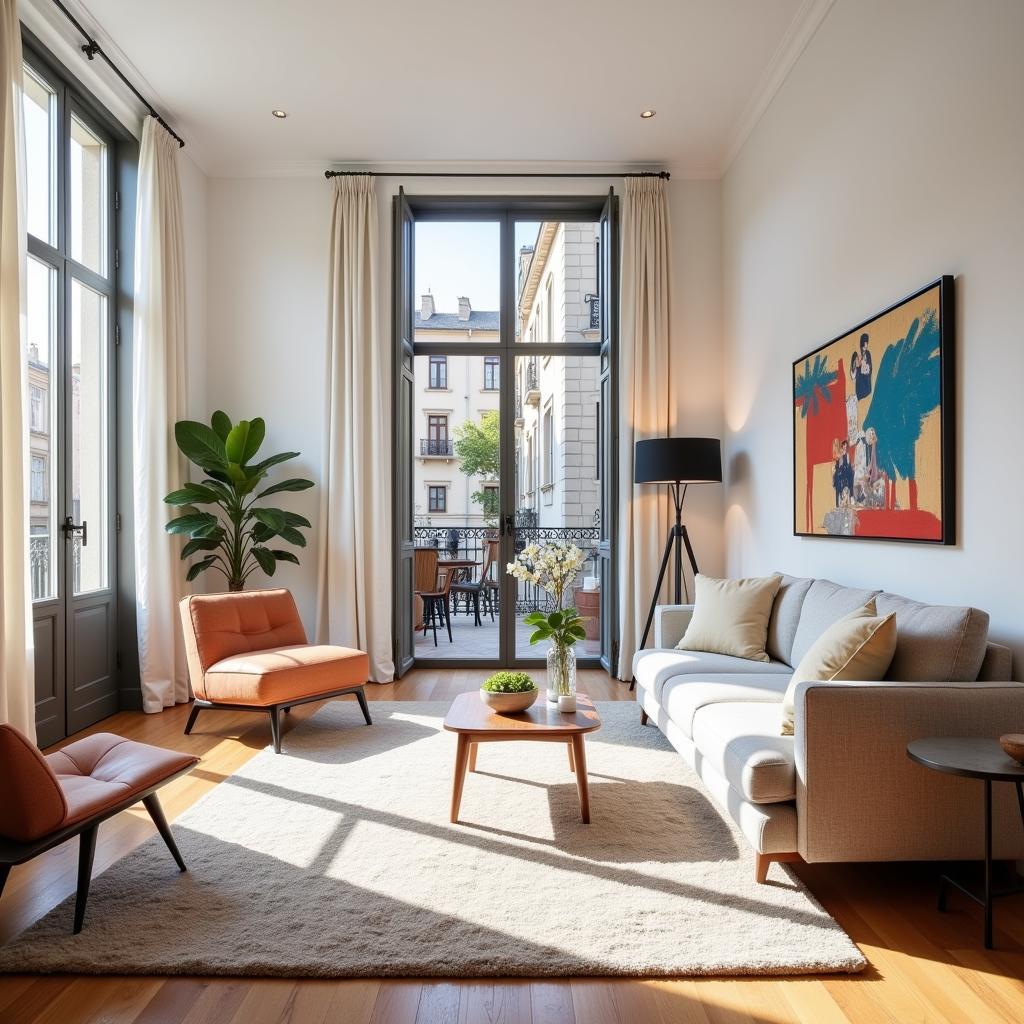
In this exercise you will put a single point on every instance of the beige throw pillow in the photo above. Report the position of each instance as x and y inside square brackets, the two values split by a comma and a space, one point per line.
[731, 616]
[859, 646]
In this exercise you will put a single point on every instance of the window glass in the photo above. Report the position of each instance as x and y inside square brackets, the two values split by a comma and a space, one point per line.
[88, 198]
[40, 107]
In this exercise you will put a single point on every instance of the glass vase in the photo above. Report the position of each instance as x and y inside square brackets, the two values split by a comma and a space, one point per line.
[561, 671]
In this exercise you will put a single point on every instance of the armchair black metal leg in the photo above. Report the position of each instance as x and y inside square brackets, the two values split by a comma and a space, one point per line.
[156, 812]
[193, 715]
[361, 697]
[447, 618]
[86, 852]
[476, 608]
[275, 728]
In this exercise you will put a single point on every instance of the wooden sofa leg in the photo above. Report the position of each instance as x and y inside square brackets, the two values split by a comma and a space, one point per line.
[193, 715]
[643, 717]
[86, 853]
[156, 812]
[361, 697]
[763, 861]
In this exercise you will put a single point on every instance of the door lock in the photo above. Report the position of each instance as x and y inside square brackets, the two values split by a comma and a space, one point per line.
[69, 526]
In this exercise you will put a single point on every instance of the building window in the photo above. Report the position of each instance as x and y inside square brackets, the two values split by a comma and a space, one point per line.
[490, 373]
[438, 373]
[39, 478]
[548, 464]
[549, 315]
[438, 498]
[437, 441]
[37, 405]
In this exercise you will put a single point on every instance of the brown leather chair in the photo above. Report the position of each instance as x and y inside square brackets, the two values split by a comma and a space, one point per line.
[45, 801]
[248, 652]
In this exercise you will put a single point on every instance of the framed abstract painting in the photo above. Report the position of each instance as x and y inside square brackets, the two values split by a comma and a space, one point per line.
[873, 427]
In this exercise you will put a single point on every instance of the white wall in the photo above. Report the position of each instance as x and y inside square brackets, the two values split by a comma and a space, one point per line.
[893, 153]
[266, 269]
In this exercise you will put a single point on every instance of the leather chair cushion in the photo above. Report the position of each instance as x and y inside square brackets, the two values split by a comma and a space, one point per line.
[102, 770]
[275, 676]
[32, 803]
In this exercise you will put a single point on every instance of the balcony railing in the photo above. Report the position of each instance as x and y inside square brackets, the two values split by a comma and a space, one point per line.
[436, 447]
[531, 387]
[43, 584]
[468, 542]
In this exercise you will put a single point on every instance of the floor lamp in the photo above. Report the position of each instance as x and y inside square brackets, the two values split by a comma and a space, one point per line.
[678, 462]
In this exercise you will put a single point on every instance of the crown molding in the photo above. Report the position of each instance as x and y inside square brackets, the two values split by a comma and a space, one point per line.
[805, 24]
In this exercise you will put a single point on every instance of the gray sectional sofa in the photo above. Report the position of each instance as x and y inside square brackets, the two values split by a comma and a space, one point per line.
[842, 788]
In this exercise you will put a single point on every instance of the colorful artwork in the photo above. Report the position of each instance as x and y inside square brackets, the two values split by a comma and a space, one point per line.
[873, 427]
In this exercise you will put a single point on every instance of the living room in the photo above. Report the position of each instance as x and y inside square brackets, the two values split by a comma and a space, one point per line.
[382, 383]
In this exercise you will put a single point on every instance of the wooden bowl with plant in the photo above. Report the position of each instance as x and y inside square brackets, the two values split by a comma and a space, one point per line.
[508, 692]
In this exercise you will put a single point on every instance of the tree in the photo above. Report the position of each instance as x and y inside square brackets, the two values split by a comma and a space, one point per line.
[813, 393]
[477, 447]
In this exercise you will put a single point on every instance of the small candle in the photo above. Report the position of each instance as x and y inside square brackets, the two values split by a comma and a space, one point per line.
[567, 703]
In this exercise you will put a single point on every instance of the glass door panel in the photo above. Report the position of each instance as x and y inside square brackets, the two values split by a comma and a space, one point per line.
[41, 324]
[558, 488]
[40, 108]
[89, 463]
[88, 198]
[455, 422]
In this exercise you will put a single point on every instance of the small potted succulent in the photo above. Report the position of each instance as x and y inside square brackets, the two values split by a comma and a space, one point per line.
[508, 692]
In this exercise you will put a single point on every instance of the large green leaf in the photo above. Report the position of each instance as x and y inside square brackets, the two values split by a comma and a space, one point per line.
[540, 634]
[287, 485]
[285, 556]
[221, 423]
[257, 432]
[236, 474]
[272, 518]
[195, 570]
[192, 523]
[260, 533]
[290, 534]
[234, 446]
[198, 544]
[274, 460]
[192, 494]
[268, 563]
[200, 444]
[294, 519]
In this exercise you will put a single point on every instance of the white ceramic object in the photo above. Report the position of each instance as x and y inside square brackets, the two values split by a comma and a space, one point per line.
[509, 703]
[567, 703]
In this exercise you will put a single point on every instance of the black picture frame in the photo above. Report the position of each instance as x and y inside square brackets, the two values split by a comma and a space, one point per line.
[803, 504]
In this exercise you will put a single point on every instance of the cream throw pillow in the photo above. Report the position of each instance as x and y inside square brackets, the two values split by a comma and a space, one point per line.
[859, 646]
[731, 616]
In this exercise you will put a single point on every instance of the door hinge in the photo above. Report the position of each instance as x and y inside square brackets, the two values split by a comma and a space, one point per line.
[117, 334]
[117, 200]
[117, 521]
[117, 259]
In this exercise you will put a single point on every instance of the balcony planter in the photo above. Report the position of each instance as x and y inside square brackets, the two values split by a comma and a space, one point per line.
[588, 604]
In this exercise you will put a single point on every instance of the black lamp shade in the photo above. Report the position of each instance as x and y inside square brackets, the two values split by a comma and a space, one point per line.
[688, 460]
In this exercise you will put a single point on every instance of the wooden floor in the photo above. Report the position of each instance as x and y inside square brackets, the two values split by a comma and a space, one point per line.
[925, 966]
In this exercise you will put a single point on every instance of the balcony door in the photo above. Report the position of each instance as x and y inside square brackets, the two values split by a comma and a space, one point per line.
[71, 315]
[505, 329]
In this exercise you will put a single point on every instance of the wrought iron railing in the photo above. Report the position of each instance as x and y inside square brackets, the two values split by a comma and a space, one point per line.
[438, 447]
[43, 584]
[468, 542]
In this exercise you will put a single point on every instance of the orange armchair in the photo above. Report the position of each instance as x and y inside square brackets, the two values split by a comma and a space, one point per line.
[44, 801]
[248, 652]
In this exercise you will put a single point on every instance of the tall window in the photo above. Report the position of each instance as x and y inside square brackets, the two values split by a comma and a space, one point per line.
[438, 373]
[549, 315]
[437, 441]
[37, 409]
[548, 465]
[438, 498]
[39, 489]
[491, 373]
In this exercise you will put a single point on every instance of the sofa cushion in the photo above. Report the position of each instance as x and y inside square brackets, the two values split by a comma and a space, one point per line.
[826, 602]
[652, 669]
[684, 696]
[741, 741]
[731, 616]
[934, 642]
[786, 617]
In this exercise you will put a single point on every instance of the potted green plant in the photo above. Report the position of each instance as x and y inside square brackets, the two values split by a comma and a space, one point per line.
[235, 532]
[553, 567]
[508, 692]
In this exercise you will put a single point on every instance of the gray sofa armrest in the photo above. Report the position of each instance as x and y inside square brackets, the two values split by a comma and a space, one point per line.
[670, 622]
[859, 797]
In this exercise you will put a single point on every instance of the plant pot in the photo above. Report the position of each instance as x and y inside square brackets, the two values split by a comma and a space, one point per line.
[509, 703]
[588, 604]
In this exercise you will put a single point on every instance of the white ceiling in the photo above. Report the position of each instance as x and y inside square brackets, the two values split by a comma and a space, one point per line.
[458, 80]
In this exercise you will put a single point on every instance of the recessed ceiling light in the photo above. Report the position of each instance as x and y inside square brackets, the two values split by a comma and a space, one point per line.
[282, 114]
[647, 114]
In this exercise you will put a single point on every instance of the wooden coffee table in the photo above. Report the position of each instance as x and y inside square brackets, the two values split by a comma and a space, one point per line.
[474, 723]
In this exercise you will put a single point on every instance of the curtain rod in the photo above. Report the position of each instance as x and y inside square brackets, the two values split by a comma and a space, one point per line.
[92, 48]
[498, 174]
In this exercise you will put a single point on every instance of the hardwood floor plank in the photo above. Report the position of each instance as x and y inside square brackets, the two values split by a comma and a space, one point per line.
[354, 1002]
[551, 1002]
[266, 1002]
[396, 1003]
[173, 1000]
[439, 1003]
[495, 1002]
[32, 1001]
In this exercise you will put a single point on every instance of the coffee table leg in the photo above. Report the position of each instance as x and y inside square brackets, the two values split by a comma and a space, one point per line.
[988, 863]
[473, 747]
[572, 764]
[461, 761]
[579, 755]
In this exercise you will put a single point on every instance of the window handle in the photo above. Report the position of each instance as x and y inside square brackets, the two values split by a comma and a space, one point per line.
[69, 526]
[508, 525]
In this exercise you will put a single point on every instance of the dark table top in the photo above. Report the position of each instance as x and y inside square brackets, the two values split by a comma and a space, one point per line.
[976, 757]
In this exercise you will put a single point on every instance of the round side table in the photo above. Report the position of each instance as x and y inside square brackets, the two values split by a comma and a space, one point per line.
[973, 757]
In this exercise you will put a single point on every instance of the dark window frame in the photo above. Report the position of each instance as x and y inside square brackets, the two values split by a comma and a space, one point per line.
[438, 381]
[492, 373]
[435, 492]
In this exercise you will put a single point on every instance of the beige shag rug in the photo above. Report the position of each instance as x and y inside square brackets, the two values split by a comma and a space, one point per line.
[337, 859]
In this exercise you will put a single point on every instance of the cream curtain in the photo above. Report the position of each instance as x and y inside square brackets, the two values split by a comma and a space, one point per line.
[644, 404]
[354, 586]
[158, 400]
[17, 696]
